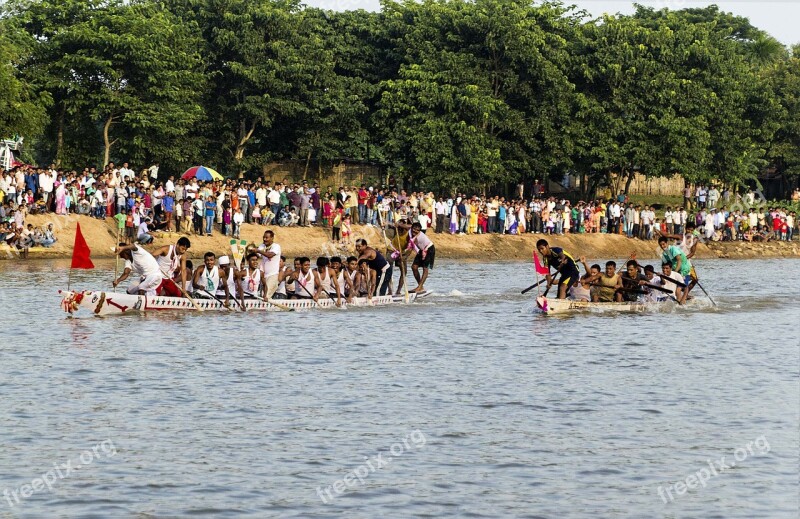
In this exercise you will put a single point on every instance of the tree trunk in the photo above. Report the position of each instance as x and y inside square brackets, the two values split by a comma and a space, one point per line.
[592, 190]
[308, 161]
[106, 140]
[612, 183]
[60, 135]
[244, 136]
[584, 191]
[628, 182]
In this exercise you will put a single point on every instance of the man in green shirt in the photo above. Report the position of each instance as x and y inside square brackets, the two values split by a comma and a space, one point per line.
[120, 219]
[676, 257]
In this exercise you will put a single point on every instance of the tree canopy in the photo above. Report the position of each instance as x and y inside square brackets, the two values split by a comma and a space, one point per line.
[449, 94]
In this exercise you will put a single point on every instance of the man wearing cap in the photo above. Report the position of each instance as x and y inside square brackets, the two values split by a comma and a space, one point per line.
[227, 279]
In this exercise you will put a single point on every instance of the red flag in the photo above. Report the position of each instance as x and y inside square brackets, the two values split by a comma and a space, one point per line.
[81, 252]
[540, 269]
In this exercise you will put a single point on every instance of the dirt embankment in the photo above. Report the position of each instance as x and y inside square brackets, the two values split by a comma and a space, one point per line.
[101, 236]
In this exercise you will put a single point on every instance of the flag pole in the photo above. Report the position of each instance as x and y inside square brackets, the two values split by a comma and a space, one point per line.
[80, 255]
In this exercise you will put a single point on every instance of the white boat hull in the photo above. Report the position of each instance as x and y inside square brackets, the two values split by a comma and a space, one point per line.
[113, 303]
[567, 306]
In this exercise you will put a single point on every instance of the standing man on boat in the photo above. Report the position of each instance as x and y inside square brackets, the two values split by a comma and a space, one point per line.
[687, 243]
[563, 262]
[676, 257]
[376, 261]
[426, 254]
[270, 253]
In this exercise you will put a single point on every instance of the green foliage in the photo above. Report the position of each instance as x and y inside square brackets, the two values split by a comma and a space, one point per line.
[451, 94]
[23, 108]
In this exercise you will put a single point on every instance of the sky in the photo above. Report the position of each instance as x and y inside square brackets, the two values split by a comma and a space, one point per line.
[779, 18]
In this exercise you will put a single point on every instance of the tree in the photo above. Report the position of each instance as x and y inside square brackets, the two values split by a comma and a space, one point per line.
[129, 70]
[23, 109]
[481, 95]
[255, 66]
[784, 80]
[642, 106]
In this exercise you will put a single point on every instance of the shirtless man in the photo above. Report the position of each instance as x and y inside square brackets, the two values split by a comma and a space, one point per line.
[365, 280]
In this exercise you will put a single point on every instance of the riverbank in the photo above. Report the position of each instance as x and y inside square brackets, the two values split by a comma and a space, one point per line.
[314, 241]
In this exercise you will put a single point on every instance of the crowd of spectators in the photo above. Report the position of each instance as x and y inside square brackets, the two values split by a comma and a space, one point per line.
[143, 203]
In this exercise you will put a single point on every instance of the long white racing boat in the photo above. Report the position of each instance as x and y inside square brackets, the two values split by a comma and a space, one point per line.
[116, 303]
[566, 306]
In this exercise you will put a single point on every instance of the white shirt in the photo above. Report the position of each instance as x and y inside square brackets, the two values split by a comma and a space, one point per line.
[153, 171]
[270, 266]
[261, 196]
[144, 263]
[274, 197]
[672, 286]
[46, 182]
[126, 173]
[422, 241]
[424, 221]
[170, 186]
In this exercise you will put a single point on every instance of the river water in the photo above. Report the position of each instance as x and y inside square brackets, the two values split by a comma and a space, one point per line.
[465, 405]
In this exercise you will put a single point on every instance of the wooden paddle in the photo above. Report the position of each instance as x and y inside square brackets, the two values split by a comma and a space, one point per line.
[706, 293]
[116, 258]
[307, 291]
[218, 300]
[558, 270]
[533, 286]
[270, 301]
[183, 291]
[662, 276]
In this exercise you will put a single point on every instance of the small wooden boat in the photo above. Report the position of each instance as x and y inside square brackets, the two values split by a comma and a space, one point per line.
[115, 303]
[567, 306]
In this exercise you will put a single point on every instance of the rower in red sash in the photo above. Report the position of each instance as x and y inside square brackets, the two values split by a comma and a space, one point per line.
[172, 262]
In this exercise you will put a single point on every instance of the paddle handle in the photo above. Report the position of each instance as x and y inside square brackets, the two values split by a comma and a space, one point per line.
[183, 291]
[533, 286]
[706, 293]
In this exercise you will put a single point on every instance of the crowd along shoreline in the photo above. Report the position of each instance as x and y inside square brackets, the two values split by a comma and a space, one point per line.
[315, 241]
